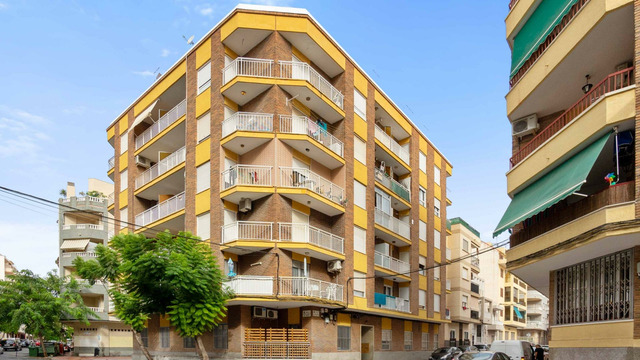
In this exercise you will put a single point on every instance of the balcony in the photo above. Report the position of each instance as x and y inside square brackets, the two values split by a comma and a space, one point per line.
[242, 237]
[110, 199]
[83, 227]
[309, 240]
[249, 285]
[246, 182]
[389, 151]
[448, 254]
[395, 187]
[323, 98]
[112, 163]
[537, 309]
[564, 213]
[170, 184]
[541, 325]
[243, 79]
[475, 261]
[392, 303]
[90, 203]
[394, 225]
[394, 265]
[308, 287]
[309, 138]
[249, 131]
[66, 259]
[164, 123]
[306, 187]
[168, 208]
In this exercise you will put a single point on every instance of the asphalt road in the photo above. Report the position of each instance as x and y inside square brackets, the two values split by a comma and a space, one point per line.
[15, 354]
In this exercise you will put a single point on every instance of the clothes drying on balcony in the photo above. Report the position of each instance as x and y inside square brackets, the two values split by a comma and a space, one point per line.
[380, 299]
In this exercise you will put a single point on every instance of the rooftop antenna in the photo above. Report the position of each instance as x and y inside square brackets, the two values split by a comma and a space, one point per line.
[189, 40]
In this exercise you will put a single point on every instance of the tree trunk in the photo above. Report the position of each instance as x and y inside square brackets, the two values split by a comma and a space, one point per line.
[138, 338]
[201, 349]
[44, 349]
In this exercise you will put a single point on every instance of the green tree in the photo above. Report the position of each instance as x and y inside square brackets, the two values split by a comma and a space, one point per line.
[175, 275]
[40, 304]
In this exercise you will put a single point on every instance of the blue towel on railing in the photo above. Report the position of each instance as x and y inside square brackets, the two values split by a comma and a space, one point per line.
[380, 299]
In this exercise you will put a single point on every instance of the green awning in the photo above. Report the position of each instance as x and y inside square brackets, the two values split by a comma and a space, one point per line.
[534, 32]
[553, 187]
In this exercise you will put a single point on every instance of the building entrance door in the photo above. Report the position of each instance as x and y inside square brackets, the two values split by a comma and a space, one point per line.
[366, 342]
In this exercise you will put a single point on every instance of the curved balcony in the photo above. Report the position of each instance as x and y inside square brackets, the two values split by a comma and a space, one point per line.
[394, 225]
[246, 131]
[242, 237]
[162, 124]
[163, 210]
[309, 138]
[309, 240]
[246, 182]
[243, 79]
[318, 192]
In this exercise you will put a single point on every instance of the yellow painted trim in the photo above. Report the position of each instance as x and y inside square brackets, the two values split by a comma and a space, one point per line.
[124, 161]
[249, 134]
[230, 104]
[203, 102]
[408, 325]
[164, 321]
[388, 282]
[437, 160]
[395, 196]
[203, 152]
[422, 248]
[397, 236]
[391, 272]
[111, 132]
[123, 199]
[302, 245]
[110, 172]
[230, 206]
[123, 124]
[301, 208]
[111, 207]
[299, 55]
[424, 327]
[161, 134]
[360, 82]
[437, 192]
[203, 201]
[166, 82]
[423, 145]
[247, 20]
[203, 53]
[231, 155]
[422, 213]
[160, 178]
[301, 157]
[437, 287]
[379, 143]
[300, 257]
[422, 313]
[314, 142]
[386, 323]
[247, 244]
[437, 253]
[303, 191]
[437, 223]
[160, 221]
[343, 319]
[449, 169]
[360, 217]
[360, 126]
[232, 256]
[248, 188]
[359, 262]
[598, 335]
[360, 172]
[393, 112]
[293, 316]
[422, 282]
[301, 107]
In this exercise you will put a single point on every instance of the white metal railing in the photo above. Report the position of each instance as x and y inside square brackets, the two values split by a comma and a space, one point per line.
[258, 175]
[112, 162]
[475, 261]
[163, 209]
[304, 286]
[304, 71]
[89, 198]
[242, 66]
[290, 124]
[396, 225]
[306, 233]
[247, 230]
[161, 167]
[250, 285]
[305, 178]
[96, 309]
[83, 226]
[82, 254]
[392, 145]
[448, 254]
[247, 121]
[394, 303]
[167, 119]
[393, 185]
[110, 199]
[448, 284]
[390, 263]
[537, 324]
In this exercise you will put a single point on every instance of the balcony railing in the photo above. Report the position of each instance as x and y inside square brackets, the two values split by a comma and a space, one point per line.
[306, 233]
[396, 225]
[164, 122]
[303, 125]
[80, 199]
[83, 227]
[475, 261]
[79, 254]
[112, 162]
[242, 66]
[537, 325]
[110, 199]
[543, 47]
[95, 309]
[392, 145]
[247, 230]
[391, 263]
[391, 184]
[563, 213]
[254, 175]
[305, 178]
[247, 121]
[163, 209]
[161, 167]
[613, 82]
[304, 286]
[304, 71]
[250, 285]
[392, 303]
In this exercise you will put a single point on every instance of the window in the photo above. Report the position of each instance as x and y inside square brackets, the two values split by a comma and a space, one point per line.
[436, 207]
[204, 77]
[360, 150]
[422, 196]
[359, 104]
[124, 180]
[188, 342]
[422, 233]
[422, 299]
[359, 285]
[436, 302]
[344, 338]
[359, 239]
[203, 173]
[507, 313]
[436, 174]
[465, 273]
[204, 126]
[425, 341]
[144, 334]
[466, 335]
[465, 245]
[422, 162]
[465, 301]
[452, 334]
[600, 289]
[436, 239]
[221, 336]
[124, 142]
[436, 271]
[165, 337]
[359, 194]
[386, 339]
[408, 340]
[124, 217]
[203, 226]
[422, 265]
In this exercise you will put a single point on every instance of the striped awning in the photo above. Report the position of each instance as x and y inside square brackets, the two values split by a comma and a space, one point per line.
[74, 244]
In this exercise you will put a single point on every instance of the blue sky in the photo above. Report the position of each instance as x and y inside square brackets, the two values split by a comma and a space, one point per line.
[67, 69]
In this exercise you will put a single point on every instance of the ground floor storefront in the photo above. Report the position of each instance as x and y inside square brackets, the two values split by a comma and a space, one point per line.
[106, 338]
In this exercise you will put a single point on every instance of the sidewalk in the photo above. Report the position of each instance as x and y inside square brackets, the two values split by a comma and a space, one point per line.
[93, 357]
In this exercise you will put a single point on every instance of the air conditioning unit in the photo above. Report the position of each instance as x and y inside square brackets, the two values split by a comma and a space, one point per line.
[259, 312]
[272, 314]
[334, 266]
[245, 205]
[525, 125]
[143, 162]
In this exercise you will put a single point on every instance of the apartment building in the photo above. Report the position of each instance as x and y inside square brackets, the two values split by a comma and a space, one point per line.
[323, 202]
[515, 306]
[493, 272]
[7, 267]
[83, 224]
[535, 331]
[574, 218]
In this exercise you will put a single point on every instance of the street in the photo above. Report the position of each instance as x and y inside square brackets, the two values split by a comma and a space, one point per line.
[25, 354]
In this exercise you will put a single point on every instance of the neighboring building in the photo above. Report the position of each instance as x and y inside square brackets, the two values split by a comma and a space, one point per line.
[268, 141]
[493, 272]
[83, 224]
[6, 267]
[466, 302]
[515, 306]
[537, 318]
[574, 215]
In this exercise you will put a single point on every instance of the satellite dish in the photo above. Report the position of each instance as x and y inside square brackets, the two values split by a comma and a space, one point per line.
[189, 40]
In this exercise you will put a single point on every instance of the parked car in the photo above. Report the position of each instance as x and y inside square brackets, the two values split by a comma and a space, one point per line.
[484, 355]
[515, 349]
[468, 348]
[445, 353]
[24, 343]
[482, 347]
[12, 344]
